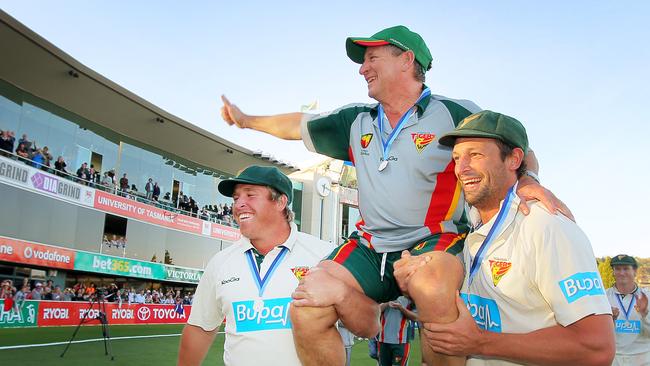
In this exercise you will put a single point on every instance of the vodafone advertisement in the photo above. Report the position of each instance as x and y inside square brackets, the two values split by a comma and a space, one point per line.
[18, 251]
[55, 313]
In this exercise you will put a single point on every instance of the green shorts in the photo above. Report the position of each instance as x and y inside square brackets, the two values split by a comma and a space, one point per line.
[358, 257]
[393, 354]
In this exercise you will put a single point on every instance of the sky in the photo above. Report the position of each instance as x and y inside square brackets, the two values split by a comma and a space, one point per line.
[576, 74]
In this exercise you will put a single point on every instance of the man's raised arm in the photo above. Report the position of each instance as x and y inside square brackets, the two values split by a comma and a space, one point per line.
[285, 126]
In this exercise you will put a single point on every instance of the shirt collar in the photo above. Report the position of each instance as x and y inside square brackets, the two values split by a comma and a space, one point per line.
[421, 106]
[484, 229]
[246, 245]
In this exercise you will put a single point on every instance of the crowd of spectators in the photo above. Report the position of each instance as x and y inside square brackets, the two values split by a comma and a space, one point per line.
[40, 158]
[88, 292]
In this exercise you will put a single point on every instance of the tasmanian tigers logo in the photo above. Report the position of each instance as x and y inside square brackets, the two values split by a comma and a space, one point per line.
[300, 272]
[422, 140]
[365, 140]
[499, 269]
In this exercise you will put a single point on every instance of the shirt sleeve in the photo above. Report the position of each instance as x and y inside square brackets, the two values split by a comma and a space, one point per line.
[329, 133]
[206, 306]
[565, 267]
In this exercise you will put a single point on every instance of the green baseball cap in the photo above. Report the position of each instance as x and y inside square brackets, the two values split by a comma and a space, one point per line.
[260, 176]
[490, 125]
[399, 36]
[624, 260]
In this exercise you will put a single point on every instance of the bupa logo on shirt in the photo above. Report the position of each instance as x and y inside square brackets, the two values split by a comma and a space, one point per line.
[581, 284]
[273, 315]
[628, 326]
[484, 311]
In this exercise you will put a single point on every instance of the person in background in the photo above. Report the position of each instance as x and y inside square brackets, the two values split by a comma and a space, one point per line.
[630, 313]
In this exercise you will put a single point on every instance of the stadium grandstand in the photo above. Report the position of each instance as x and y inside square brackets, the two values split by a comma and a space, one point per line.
[103, 192]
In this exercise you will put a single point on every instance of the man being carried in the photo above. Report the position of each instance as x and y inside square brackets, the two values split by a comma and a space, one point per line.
[409, 198]
[250, 282]
[531, 282]
[630, 307]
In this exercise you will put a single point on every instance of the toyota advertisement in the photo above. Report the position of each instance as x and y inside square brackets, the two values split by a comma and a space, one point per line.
[56, 313]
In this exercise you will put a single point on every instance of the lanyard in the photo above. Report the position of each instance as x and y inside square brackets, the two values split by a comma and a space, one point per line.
[386, 145]
[262, 282]
[489, 239]
[627, 311]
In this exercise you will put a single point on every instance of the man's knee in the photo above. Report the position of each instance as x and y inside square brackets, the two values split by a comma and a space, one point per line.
[433, 287]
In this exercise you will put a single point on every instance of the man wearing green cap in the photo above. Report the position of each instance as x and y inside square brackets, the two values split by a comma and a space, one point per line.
[250, 283]
[409, 198]
[532, 293]
[630, 311]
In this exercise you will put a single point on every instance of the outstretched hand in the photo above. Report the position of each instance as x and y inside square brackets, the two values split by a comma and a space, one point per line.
[232, 114]
[642, 304]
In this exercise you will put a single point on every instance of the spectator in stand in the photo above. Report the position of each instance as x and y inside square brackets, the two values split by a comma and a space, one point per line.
[67, 294]
[36, 293]
[167, 196]
[47, 293]
[204, 214]
[107, 182]
[59, 167]
[124, 184]
[23, 140]
[156, 191]
[47, 158]
[149, 188]
[7, 142]
[83, 174]
[79, 295]
[148, 298]
[140, 298]
[22, 295]
[22, 152]
[57, 294]
[134, 189]
[91, 289]
[38, 160]
[92, 174]
[131, 296]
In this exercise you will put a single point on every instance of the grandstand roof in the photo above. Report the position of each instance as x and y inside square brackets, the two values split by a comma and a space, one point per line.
[33, 64]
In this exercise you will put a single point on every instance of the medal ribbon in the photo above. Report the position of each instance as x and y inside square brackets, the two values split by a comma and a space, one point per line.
[385, 145]
[627, 311]
[492, 234]
[262, 282]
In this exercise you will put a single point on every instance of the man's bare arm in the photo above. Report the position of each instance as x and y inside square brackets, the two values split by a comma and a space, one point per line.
[589, 341]
[195, 343]
[285, 126]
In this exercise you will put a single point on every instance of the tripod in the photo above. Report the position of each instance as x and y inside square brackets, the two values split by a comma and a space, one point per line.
[100, 301]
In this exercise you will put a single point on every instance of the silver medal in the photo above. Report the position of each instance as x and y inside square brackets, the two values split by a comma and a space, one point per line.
[258, 305]
[383, 165]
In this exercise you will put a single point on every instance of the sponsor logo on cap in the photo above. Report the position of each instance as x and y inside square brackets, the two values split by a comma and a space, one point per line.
[300, 272]
[581, 284]
[499, 269]
[365, 140]
[422, 140]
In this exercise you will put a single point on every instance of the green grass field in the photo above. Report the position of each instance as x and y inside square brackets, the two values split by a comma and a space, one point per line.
[144, 351]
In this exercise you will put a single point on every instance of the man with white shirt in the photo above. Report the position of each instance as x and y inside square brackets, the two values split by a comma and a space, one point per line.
[532, 293]
[250, 283]
[630, 309]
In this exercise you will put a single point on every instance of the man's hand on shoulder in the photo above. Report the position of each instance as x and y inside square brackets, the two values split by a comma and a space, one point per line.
[528, 190]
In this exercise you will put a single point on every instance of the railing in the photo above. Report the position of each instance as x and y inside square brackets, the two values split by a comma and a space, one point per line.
[113, 189]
